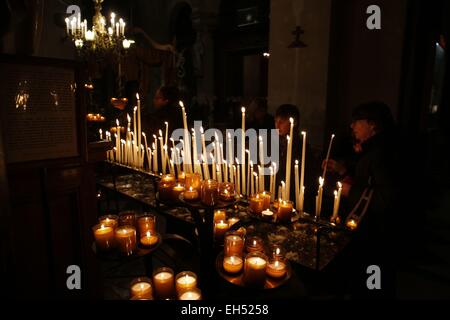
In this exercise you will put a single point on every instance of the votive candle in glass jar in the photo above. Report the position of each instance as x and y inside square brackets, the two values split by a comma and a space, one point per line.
[220, 228]
[191, 194]
[141, 287]
[192, 294]
[227, 191]
[233, 220]
[109, 220]
[181, 177]
[149, 239]
[127, 218]
[256, 204]
[165, 190]
[255, 269]
[233, 244]
[168, 178]
[104, 237]
[125, 237]
[219, 215]
[176, 191]
[210, 192]
[276, 268]
[233, 264]
[284, 212]
[146, 222]
[254, 244]
[185, 281]
[193, 180]
[266, 196]
[163, 283]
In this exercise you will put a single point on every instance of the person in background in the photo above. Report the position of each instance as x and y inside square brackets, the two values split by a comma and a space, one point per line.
[282, 115]
[258, 117]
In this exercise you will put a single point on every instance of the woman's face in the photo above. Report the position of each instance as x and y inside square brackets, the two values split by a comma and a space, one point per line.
[362, 130]
[283, 125]
[158, 100]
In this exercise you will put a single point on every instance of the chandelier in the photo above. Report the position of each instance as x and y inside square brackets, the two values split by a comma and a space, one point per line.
[104, 37]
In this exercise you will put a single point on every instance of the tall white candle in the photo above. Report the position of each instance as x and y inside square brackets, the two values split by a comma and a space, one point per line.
[261, 161]
[288, 159]
[249, 191]
[302, 172]
[243, 149]
[283, 190]
[100, 131]
[327, 157]
[319, 198]
[297, 190]
[251, 181]
[271, 183]
[118, 140]
[255, 176]
[238, 175]
[204, 157]
[161, 146]
[138, 119]
[337, 199]
[274, 177]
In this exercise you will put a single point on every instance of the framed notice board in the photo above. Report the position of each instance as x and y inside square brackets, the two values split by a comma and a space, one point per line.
[38, 109]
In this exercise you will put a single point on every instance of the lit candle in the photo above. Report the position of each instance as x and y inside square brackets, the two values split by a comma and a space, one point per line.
[142, 288]
[249, 190]
[204, 156]
[255, 175]
[256, 204]
[327, 157]
[302, 173]
[274, 180]
[232, 221]
[163, 281]
[319, 198]
[276, 269]
[232, 264]
[155, 156]
[285, 211]
[125, 239]
[233, 244]
[147, 223]
[289, 159]
[251, 182]
[192, 294]
[220, 228]
[230, 153]
[220, 215]
[255, 269]
[261, 161]
[149, 239]
[238, 177]
[335, 206]
[267, 214]
[254, 244]
[191, 194]
[213, 166]
[109, 220]
[113, 15]
[185, 281]
[163, 158]
[67, 25]
[352, 224]
[118, 139]
[138, 119]
[297, 193]
[209, 192]
[176, 191]
[266, 196]
[243, 150]
[104, 237]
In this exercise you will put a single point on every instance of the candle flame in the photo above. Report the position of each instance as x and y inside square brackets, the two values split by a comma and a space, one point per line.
[128, 117]
[160, 133]
[291, 120]
[321, 181]
[243, 109]
[181, 104]
[303, 133]
[148, 234]
[335, 193]
[117, 122]
[288, 138]
[339, 185]
[135, 109]
[143, 134]
[228, 135]
[154, 136]
[332, 136]
[166, 123]
[296, 162]
[255, 174]
[201, 130]
[260, 139]
[137, 95]
[237, 161]
[251, 163]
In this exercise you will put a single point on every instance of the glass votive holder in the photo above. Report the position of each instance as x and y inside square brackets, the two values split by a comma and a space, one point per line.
[125, 238]
[267, 215]
[190, 194]
[219, 215]
[254, 244]
[220, 228]
[192, 294]
[210, 192]
[168, 178]
[233, 264]
[227, 191]
[185, 281]
[255, 269]
[164, 283]
[141, 288]
[176, 191]
[276, 251]
[276, 268]
[233, 244]
[267, 197]
[284, 212]
[149, 238]
[165, 190]
[109, 220]
[193, 180]
[146, 222]
[104, 237]
[127, 218]
[256, 203]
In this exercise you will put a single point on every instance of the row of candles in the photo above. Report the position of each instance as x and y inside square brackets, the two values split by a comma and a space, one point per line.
[121, 232]
[130, 151]
[164, 285]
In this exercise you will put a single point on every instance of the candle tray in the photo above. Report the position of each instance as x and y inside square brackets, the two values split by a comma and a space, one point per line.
[115, 255]
[238, 279]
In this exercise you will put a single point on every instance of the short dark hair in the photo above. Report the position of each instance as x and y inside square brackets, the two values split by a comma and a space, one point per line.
[287, 111]
[376, 112]
[171, 93]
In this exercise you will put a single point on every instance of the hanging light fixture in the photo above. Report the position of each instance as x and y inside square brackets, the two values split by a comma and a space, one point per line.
[104, 37]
